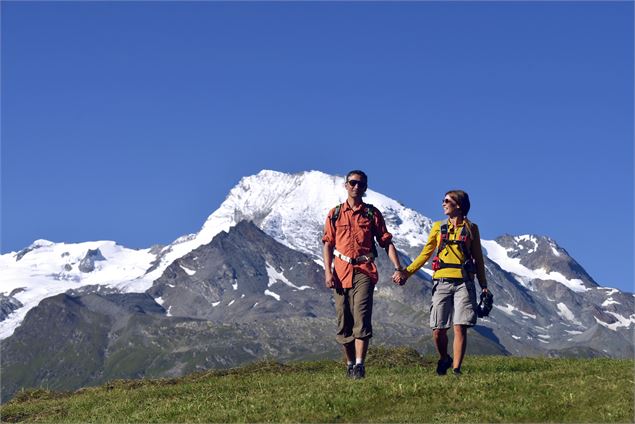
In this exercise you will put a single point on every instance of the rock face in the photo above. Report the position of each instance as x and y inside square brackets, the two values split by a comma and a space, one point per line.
[247, 270]
[87, 264]
[8, 304]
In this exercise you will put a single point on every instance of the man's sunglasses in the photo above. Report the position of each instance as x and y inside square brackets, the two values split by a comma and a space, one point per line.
[353, 183]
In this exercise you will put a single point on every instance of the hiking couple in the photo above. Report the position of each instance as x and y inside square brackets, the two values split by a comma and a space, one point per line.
[349, 248]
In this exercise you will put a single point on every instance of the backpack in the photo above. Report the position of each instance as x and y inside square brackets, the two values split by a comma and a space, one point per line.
[463, 241]
[370, 214]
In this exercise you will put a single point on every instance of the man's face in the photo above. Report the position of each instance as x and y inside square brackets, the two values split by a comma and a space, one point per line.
[355, 185]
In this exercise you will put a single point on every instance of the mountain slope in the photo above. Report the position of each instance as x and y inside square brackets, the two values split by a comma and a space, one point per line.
[250, 283]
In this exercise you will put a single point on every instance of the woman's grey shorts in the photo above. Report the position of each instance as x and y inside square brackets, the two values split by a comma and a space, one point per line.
[453, 302]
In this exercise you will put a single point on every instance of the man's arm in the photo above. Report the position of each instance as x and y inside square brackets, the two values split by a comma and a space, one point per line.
[327, 252]
[393, 256]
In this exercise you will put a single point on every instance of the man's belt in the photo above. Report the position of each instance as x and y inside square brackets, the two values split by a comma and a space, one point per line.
[354, 261]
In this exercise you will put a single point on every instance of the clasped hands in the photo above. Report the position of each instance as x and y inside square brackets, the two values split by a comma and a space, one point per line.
[400, 277]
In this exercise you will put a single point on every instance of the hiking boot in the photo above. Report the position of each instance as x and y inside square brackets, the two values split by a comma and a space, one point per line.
[456, 372]
[350, 371]
[443, 365]
[359, 372]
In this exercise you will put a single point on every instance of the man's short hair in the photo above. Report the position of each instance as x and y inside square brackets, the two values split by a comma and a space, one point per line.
[360, 173]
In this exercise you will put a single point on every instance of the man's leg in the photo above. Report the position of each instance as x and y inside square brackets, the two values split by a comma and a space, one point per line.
[362, 300]
[361, 347]
[349, 352]
[344, 334]
[460, 343]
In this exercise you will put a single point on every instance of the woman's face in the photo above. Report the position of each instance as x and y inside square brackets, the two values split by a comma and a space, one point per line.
[449, 206]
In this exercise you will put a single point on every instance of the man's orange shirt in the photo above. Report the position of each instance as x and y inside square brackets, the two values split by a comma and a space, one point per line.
[352, 235]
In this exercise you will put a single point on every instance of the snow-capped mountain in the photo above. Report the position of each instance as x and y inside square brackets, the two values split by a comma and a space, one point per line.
[45, 269]
[292, 209]
[249, 284]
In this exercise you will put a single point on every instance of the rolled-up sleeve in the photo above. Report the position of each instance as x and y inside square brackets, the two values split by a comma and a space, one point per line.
[427, 250]
[384, 238]
[329, 231]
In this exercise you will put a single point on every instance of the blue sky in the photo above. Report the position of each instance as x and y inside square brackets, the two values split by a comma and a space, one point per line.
[130, 121]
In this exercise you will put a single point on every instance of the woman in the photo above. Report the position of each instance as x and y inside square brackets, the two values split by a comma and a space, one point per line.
[459, 257]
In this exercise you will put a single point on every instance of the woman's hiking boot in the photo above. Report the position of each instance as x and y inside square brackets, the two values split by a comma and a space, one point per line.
[443, 365]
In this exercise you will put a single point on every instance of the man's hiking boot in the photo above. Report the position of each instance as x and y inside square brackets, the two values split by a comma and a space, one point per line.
[359, 372]
[456, 372]
[350, 371]
[443, 365]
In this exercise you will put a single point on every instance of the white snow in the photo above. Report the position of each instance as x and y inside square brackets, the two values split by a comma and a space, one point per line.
[214, 304]
[610, 301]
[515, 337]
[566, 313]
[621, 321]
[187, 270]
[275, 276]
[42, 273]
[510, 309]
[292, 208]
[235, 285]
[528, 237]
[272, 294]
[231, 303]
[498, 254]
[573, 332]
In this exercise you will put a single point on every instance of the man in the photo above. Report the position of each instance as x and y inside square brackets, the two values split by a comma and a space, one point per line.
[349, 245]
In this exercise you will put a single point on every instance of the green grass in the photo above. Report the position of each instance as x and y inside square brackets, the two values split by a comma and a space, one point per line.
[401, 386]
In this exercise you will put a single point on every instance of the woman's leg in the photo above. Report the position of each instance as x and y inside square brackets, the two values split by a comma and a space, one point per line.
[460, 344]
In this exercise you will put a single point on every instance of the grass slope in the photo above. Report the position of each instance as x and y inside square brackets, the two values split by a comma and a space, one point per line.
[400, 387]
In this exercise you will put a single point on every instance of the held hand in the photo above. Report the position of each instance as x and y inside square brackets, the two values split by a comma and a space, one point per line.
[400, 277]
[328, 280]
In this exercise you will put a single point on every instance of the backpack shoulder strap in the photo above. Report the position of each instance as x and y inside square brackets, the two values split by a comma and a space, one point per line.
[466, 239]
[370, 211]
[336, 213]
[443, 230]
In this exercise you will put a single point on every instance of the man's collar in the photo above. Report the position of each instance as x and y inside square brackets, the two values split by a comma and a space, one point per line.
[347, 206]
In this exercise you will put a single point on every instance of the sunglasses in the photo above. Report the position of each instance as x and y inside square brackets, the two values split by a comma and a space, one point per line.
[353, 183]
[450, 201]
